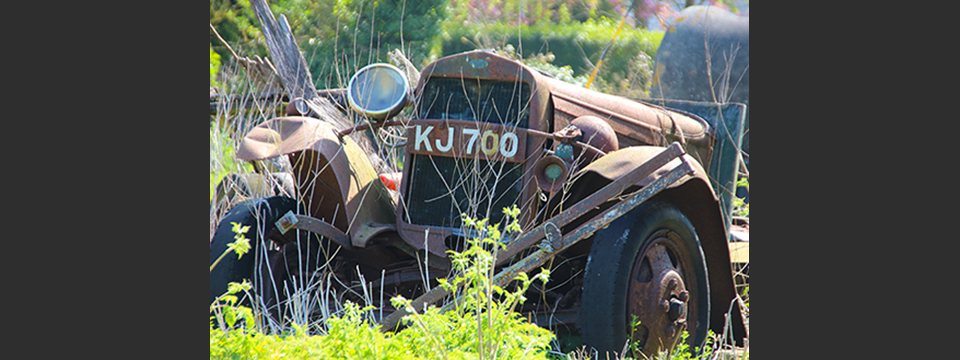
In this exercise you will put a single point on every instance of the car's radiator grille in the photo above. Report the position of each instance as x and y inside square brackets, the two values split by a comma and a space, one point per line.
[441, 188]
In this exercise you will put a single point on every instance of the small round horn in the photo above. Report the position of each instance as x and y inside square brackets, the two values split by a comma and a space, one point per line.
[551, 173]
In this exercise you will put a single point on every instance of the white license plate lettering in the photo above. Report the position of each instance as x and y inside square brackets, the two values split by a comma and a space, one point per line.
[461, 140]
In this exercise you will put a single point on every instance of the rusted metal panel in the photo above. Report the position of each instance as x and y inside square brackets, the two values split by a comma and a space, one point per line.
[478, 64]
[634, 122]
[355, 186]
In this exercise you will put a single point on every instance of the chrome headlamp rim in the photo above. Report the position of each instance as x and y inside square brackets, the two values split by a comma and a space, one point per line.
[394, 107]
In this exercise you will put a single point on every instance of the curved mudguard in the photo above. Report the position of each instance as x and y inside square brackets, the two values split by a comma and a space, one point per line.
[335, 178]
[694, 196]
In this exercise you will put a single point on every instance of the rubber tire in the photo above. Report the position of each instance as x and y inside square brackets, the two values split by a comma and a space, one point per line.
[259, 213]
[603, 310]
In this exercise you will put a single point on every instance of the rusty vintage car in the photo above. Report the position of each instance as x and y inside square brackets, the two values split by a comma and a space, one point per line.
[630, 199]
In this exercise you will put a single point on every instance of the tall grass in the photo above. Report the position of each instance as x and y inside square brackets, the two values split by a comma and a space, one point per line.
[235, 113]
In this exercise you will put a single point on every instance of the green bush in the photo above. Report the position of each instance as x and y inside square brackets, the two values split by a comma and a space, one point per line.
[339, 37]
[336, 37]
[627, 64]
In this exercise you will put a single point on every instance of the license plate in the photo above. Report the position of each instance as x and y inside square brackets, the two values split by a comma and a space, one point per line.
[466, 139]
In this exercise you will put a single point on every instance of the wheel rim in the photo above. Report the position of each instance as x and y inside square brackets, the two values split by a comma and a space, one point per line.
[662, 287]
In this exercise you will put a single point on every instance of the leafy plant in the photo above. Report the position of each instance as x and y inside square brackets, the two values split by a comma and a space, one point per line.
[480, 322]
[240, 246]
[224, 307]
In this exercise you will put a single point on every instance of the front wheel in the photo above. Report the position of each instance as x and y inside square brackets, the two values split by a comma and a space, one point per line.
[646, 266]
[260, 214]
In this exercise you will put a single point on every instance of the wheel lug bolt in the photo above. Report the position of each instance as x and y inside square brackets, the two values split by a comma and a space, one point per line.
[677, 310]
[684, 295]
[665, 306]
[672, 284]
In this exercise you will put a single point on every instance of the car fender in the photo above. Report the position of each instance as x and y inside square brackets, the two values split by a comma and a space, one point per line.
[694, 196]
[335, 178]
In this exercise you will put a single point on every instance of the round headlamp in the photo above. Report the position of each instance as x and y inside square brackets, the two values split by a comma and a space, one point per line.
[378, 91]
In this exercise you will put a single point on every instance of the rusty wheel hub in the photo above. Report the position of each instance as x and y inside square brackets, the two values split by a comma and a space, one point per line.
[658, 296]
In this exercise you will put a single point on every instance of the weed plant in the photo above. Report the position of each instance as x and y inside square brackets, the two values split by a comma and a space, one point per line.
[480, 322]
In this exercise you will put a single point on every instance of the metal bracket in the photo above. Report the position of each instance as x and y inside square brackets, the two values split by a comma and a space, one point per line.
[287, 222]
[551, 233]
[314, 225]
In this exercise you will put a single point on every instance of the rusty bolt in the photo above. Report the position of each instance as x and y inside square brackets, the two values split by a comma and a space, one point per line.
[665, 306]
[672, 284]
[684, 296]
[671, 331]
[285, 221]
[676, 310]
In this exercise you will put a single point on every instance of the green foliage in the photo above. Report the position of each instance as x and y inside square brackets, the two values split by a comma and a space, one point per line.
[627, 66]
[481, 321]
[680, 351]
[214, 67]
[479, 324]
[226, 312]
[359, 32]
[544, 62]
[240, 246]
[513, 12]
[231, 335]
[745, 295]
[237, 24]
[337, 37]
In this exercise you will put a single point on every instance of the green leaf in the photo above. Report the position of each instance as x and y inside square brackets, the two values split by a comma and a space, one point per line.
[234, 287]
[238, 229]
[241, 246]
